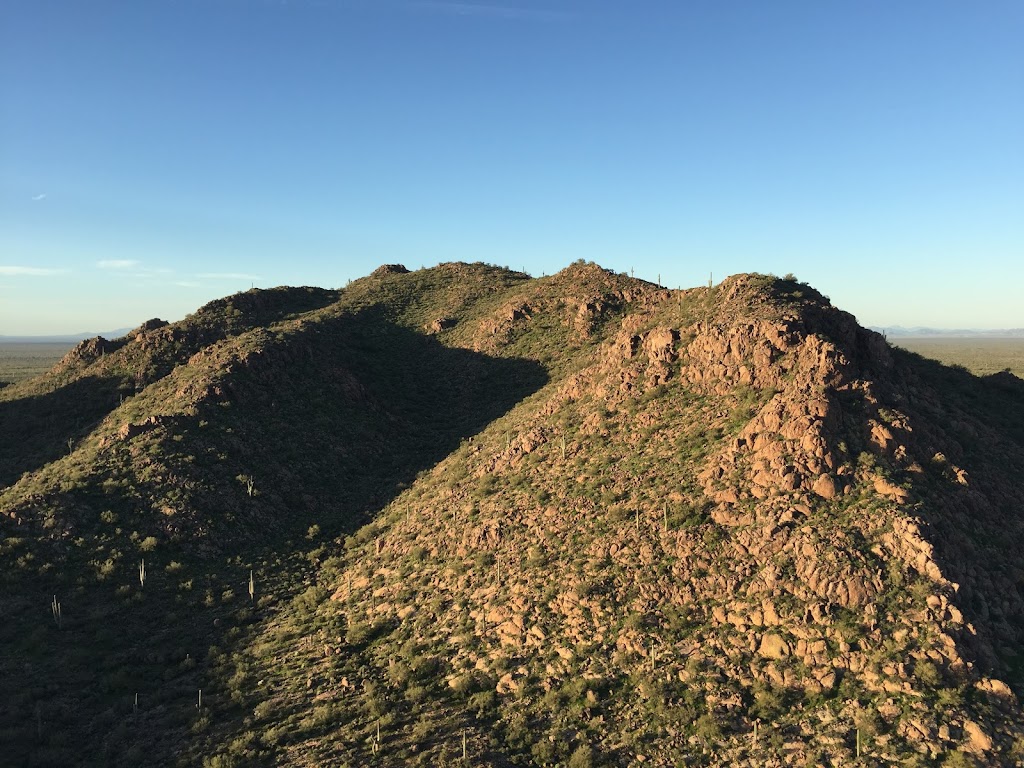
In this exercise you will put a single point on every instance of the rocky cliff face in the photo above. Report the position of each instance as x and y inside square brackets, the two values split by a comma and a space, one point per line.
[721, 526]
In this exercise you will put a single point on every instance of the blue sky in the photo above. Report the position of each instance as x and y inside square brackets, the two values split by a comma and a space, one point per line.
[155, 155]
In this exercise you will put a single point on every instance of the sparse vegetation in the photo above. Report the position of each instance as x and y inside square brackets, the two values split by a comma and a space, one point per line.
[567, 521]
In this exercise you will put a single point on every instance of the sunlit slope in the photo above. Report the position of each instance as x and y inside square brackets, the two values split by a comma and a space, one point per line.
[572, 520]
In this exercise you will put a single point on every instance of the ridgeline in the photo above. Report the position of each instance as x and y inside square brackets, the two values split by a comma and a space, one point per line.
[461, 516]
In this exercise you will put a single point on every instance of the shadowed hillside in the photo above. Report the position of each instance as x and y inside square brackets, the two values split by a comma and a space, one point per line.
[578, 520]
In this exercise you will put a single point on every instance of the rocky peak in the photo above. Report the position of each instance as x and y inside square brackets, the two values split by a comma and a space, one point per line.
[389, 269]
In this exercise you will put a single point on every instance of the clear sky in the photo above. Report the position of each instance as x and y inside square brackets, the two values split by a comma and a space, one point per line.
[156, 154]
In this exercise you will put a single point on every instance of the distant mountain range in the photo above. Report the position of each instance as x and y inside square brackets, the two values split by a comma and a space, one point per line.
[898, 331]
[69, 338]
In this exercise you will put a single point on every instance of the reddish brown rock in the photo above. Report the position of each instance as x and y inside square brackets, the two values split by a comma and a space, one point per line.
[825, 487]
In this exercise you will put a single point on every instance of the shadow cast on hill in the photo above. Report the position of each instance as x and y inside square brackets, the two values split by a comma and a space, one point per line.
[975, 523]
[330, 423]
[36, 430]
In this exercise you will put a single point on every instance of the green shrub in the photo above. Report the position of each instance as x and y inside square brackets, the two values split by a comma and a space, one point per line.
[219, 761]
[927, 674]
[583, 757]
[769, 702]
[707, 728]
[484, 703]
[416, 694]
[958, 759]
[308, 601]
[543, 752]
[869, 722]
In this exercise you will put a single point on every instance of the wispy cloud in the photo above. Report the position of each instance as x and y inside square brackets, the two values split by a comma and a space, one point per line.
[520, 13]
[227, 276]
[186, 284]
[37, 271]
[39, 197]
[117, 263]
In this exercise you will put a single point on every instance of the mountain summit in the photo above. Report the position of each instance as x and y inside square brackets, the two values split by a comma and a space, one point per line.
[461, 516]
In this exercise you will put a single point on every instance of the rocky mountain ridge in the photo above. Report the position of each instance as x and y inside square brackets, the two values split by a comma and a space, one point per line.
[576, 520]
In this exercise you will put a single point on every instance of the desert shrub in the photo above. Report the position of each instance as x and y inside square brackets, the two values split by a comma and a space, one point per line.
[536, 558]
[958, 759]
[484, 560]
[583, 757]
[949, 698]
[486, 486]
[375, 702]
[869, 722]
[360, 633]
[422, 730]
[707, 728]
[274, 736]
[472, 682]
[927, 674]
[544, 752]
[416, 694]
[768, 703]
[848, 624]
[243, 744]
[307, 602]
[219, 761]
[426, 668]
[484, 703]
[399, 672]
[1017, 750]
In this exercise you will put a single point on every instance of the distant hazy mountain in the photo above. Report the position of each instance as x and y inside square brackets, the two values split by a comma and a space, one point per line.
[70, 338]
[898, 331]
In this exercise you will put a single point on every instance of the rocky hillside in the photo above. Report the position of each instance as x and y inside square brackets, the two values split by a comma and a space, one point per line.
[462, 516]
